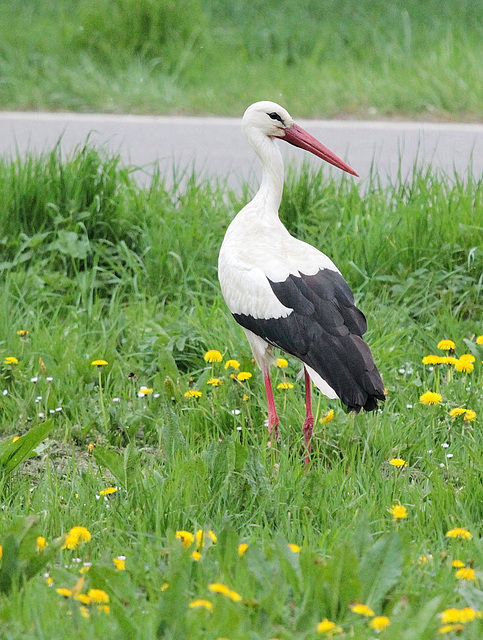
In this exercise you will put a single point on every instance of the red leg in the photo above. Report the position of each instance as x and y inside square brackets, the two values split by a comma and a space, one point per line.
[272, 411]
[308, 425]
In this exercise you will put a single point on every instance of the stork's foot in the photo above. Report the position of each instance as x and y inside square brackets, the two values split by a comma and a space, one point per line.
[308, 428]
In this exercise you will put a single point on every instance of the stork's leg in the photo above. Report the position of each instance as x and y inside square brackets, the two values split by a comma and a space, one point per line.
[272, 411]
[308, 425]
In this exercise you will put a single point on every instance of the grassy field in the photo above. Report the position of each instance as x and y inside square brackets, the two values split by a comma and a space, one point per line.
[96, 267]
[365, 59]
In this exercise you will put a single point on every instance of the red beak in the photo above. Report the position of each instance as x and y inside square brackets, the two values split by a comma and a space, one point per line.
[300, 138]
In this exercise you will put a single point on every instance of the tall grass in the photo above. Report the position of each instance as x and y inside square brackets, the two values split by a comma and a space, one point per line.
[105, 268]
[322, 58]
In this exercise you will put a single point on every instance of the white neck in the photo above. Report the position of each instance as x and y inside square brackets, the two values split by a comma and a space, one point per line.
[269, 195]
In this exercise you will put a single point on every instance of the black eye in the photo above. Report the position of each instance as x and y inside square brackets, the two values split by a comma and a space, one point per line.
[276, 116]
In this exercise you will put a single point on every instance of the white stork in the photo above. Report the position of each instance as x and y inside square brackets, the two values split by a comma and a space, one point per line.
[286, 293]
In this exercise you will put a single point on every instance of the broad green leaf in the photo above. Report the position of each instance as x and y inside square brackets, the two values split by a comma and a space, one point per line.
[380, 568]
[123, 467]
[167, 364]
[10, 568]
[423, 620]
[112, 460]
[131, 463]
[241, 456]
[14, 453]
[21, 560]
[71, 244]
[341, 579]
[171, 437]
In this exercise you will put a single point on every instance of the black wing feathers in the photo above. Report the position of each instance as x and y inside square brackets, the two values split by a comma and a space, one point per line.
[325, 331]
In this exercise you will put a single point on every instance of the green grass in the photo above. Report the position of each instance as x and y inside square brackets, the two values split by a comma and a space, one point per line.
[95, 266]
[365, 59]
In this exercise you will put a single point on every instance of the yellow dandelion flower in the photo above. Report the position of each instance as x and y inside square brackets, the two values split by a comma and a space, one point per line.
[1, 551]
[448, 628]
[213, 356]
[217, 587]
[75, 536]
[454, 413]
[459, 532]
[104, 608]
[10, 360]
[108, 491]
[328, 627]
[479, 340]
[469, 415]
[22, 333]
[282, 363]
[285, 385]
[201, 535]
[246, 398]
[15, 438]
[193, 393]
[196, 555]
[82, 597]
[90, 447]
[457, 564]
[466, 573]
[216, 382]
[468, 357]
[379, 623]
[424, 559]
[467, 614]
[98, 595]
[196, 604]
[294, 547]
[99, 363]
[398, 462]
[84, 611]
[446, 345]
[362, 609]
[120, 563]
[64, 592]
[234, 364]
[429, 397]
[398, 511]
[244, 375]
[242, 547]
[41, 543]
[431, 359]
[464, 365]
[164, 586]
[329, 416]
[449, 360]
[145, 390]
[186, 538]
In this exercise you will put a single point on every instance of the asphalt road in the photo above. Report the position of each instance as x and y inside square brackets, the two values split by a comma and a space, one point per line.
[216, 148]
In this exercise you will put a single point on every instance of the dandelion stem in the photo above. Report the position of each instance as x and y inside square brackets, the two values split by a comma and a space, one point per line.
[436, 379]
[101, 400]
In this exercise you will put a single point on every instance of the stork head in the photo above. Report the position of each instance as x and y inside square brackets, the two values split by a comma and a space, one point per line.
[274, 121]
